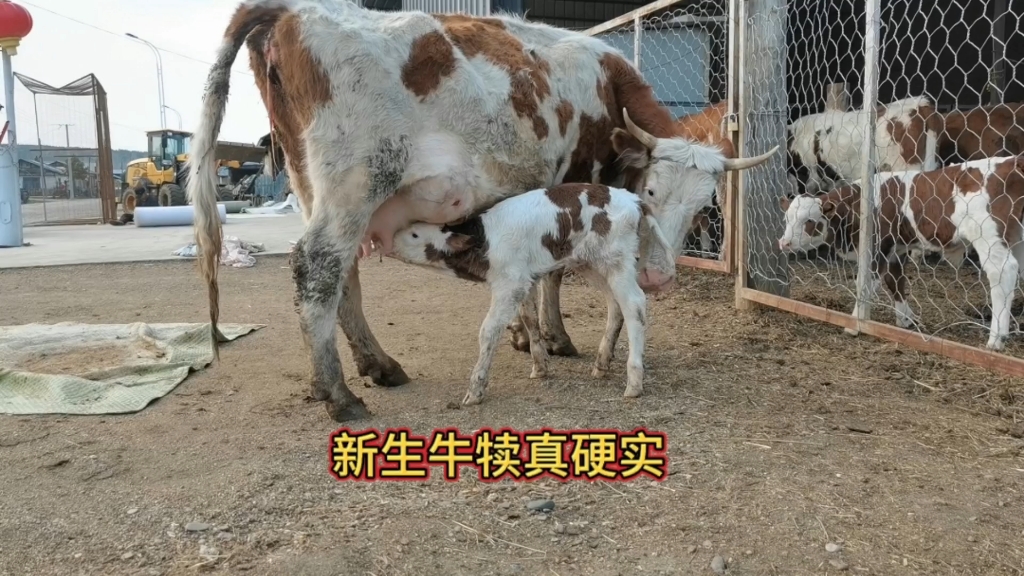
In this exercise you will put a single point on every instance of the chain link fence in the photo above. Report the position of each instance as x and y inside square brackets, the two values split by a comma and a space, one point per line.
[682, 50]
[65, 175]
[897, 94]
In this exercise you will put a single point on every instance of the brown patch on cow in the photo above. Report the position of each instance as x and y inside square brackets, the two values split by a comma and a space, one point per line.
[627, 89]
[594, 144]
[567, 197]
[293, 87]
[558, 245]
[601, 225]
[528, 73]
[911, 136]
[1005, 188]
[985, 132]
[813, 228]
[465, 251]
[598, 195]
[448, 18]
[931, 203]
[564, 112]
[431, 60]
[245, 16]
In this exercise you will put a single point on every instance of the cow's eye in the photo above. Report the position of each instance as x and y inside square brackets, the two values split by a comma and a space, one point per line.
[650, 193]
[415, 235]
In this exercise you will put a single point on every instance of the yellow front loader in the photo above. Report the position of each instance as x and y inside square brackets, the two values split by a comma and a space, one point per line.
[159, 180]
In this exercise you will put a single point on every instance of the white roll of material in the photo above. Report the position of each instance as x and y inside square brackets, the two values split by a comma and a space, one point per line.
[147, 216]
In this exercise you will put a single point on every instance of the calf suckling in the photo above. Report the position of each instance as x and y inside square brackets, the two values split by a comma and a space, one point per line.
[596, 230]
[977, 204]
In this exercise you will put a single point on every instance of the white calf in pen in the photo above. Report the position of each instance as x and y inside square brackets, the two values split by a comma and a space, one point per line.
[978, 203]
[596, 230]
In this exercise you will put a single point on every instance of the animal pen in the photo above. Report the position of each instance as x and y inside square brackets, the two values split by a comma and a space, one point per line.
[774, 61]
[66, 174]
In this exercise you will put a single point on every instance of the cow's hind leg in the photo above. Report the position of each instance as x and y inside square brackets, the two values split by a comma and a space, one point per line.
[551, 327]
[519, 337]
[368, 355]
[320, 263]
[504, 304]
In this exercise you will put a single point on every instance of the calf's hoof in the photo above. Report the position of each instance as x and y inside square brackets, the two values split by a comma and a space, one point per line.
[387, 373]
[354, 410]
[520, 341]
[850, 331]
[599, 372]
[473, 398]
[634, 391]
[995, 345]
[538, 373]
[561, 348]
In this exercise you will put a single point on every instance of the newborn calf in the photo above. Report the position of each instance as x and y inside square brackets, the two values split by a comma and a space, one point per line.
[592, 228]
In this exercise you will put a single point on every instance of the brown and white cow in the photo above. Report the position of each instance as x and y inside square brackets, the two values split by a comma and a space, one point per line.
[445, 115]
[978, 204]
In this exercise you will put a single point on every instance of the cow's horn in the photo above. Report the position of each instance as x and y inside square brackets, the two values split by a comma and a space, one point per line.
[646, 139]
[744, 163]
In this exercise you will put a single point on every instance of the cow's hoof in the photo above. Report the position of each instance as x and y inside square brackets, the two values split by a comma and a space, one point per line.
[562, 348]
[538, 373]
[354, 410]
[599, 372]
[388, 373]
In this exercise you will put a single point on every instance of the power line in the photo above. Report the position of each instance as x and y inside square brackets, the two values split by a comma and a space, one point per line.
[112, 33]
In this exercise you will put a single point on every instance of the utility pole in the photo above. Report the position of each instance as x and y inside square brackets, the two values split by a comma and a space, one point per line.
[71, 171]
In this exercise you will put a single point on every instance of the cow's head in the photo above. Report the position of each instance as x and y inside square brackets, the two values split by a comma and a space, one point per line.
[679, 175]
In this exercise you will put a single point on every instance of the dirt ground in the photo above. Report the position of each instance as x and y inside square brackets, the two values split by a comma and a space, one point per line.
[784, 436]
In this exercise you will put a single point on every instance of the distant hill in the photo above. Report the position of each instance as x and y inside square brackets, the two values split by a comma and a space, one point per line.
[53, 153]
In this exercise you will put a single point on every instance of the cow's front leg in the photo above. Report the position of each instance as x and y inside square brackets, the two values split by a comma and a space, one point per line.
[368, 355]
[551, 328]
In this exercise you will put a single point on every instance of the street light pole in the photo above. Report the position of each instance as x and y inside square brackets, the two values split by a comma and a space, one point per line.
[176, 113]
[159, 77]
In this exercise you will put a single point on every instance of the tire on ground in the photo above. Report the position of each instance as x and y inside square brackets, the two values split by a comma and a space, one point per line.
[128, 201]
[172, 195]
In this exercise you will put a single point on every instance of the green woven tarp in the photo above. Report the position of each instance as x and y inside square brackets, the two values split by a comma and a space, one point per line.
[72, 368]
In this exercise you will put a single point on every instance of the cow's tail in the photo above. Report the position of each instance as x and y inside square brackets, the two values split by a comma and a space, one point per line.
[202, 163]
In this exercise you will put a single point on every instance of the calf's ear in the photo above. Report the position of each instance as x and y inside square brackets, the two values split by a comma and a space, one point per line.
[828, 207]
[459, 243]
[784, 202]
[632, 153]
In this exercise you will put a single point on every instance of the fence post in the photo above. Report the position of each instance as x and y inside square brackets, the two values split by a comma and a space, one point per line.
[636, 40]
[837, 97]
[865, 248]
[761, 265]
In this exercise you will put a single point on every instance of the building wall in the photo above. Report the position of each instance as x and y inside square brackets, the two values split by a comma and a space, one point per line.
[474, 7]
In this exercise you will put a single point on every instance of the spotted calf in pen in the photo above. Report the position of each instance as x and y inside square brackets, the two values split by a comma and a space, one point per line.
[591, 228]
[977, 204]
[825, 148]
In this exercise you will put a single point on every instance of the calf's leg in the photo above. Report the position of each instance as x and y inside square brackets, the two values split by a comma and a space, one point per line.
[538, 351]
[551, 327]
[612, 329]
[369, 357]
[504, 303]
[633, 305]
[1002, 270]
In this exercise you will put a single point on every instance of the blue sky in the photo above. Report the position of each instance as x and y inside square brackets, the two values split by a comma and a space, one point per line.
[60, 50]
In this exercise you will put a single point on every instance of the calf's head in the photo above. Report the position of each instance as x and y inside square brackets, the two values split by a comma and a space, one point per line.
[679, 179]
[814, 221]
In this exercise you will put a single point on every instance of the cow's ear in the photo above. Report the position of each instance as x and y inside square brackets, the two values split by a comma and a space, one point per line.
[632, 153]
[459, 243]
[784, 202]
